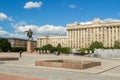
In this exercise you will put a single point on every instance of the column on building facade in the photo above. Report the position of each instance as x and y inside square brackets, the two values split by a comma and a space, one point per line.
[88, 34]
[84, 38]
[91, 35]
[112, 35]
[105, 37]
[78, 38]
[77, 47]
[103, 34]
[68, 34]
[74, 39]
[109, 37]
[118, 29]
[69, 39]
[98, 34]
[86, 41]
[94, 38]
[116, 33]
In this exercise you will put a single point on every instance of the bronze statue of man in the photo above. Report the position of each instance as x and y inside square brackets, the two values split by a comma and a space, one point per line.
[29, 34]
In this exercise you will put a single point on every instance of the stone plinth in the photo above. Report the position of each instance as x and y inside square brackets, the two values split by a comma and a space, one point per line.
[30, 46]
[8, 58]
[72, 64]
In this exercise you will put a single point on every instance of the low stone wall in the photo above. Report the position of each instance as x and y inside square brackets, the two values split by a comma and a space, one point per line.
[72, 64]
[107, 53]
[8, 58]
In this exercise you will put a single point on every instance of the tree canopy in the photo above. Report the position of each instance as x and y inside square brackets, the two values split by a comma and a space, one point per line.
[4, 45]
[96, 45]
[117, 45]
[57, 48]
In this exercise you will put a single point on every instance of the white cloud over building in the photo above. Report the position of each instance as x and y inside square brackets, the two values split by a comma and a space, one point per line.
[46, 30]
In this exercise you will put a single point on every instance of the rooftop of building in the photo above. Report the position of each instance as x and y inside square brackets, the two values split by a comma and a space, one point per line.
[16, 39]
[52, 36]
[95, 21]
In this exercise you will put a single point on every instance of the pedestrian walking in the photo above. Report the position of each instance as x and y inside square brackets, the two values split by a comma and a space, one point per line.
[20, 53]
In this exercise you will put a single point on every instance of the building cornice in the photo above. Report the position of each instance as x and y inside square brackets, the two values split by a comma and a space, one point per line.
[79, 26]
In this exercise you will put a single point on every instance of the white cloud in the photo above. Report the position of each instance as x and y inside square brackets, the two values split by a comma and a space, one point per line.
[30, 5]
[3, 32]
[17, 35]
[72, 6]
[3, 16]
[111, 20]
[84, 23]
[52, 30]
[107, 20]
[6, 34]
[46, 30]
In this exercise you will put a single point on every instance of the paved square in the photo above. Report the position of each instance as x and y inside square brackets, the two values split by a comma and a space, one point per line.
[109, 70]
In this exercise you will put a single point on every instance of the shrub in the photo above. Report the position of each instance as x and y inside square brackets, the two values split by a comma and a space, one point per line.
[4, 45]
[65, 50]
[83, 50]
[17, 49]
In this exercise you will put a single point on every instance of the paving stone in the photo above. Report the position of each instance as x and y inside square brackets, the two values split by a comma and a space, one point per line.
[26, 67]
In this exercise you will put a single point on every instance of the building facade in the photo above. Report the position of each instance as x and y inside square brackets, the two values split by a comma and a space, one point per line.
[16, 42]
[82, 35]
[53, 40]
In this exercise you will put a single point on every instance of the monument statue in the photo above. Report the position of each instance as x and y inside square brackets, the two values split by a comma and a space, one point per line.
[29, 34]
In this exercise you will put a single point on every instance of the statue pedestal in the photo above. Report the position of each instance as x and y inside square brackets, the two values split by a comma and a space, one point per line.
[30, 46]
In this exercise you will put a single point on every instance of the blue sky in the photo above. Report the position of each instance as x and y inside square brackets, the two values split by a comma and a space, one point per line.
[50, 17]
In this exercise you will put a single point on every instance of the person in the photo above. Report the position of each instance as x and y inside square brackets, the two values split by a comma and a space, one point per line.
[20, 53]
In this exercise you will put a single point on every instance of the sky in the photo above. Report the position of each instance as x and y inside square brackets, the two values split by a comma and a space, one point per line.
[50, 17]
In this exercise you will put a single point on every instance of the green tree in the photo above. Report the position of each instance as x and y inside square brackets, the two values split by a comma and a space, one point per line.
[65, 50]
[96, 45]
[18, 49]
[47, 47]
[4, 45]
[58, 47]
[117, 45]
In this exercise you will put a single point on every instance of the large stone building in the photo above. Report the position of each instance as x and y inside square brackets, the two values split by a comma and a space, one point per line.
[82, 35]
[16, 42]
[53, 40]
